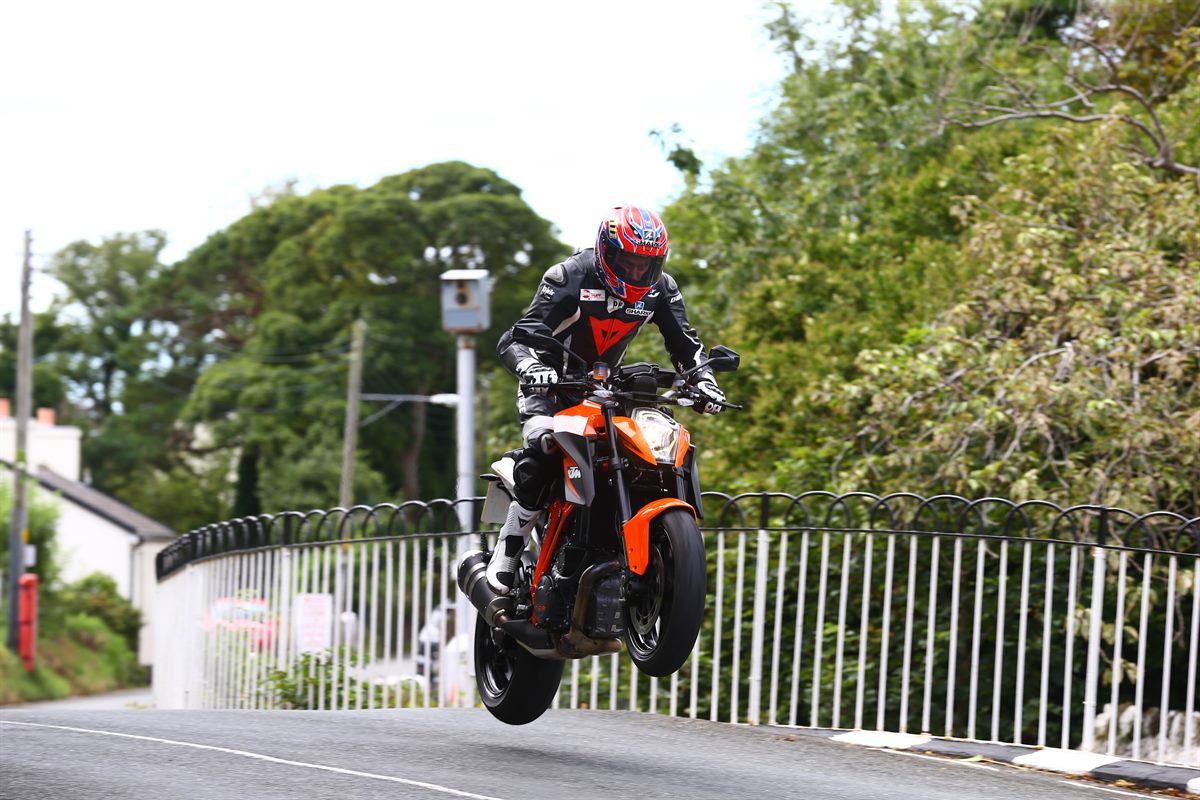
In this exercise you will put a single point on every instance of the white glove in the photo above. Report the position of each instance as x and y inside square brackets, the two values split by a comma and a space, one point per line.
[537, 378]
[713, 396]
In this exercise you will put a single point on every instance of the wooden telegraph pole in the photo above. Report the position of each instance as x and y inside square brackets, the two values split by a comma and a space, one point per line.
[350, 432]
[17, 535]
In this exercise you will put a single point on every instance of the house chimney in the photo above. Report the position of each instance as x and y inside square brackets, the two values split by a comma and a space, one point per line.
[5, 408]
[45, 416]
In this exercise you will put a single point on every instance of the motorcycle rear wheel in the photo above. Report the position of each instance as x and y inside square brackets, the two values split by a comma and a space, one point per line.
[663, 621]
[516, 686]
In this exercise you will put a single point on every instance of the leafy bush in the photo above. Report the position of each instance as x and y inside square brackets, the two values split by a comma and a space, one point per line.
[76, 654]
[310, 684]
[96, 595]
[43, 516]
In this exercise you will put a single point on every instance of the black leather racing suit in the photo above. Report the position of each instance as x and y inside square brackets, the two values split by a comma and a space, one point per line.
[573, 302]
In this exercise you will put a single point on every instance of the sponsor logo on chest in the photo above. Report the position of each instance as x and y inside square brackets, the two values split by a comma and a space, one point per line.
[591, 295]
[639, 309]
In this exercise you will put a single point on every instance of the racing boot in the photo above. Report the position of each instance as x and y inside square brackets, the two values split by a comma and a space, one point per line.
[505, 563]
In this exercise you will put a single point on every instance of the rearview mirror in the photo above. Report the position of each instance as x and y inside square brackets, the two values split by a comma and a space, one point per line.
[722, 359]
[538, 335]
[533, 337]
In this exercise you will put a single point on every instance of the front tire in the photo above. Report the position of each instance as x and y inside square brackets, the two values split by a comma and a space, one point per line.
[515, 685]
[663, 619]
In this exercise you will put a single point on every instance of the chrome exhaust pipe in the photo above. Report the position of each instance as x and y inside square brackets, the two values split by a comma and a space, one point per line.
[496, 609]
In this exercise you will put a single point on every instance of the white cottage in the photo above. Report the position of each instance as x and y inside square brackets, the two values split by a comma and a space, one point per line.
[96, 532]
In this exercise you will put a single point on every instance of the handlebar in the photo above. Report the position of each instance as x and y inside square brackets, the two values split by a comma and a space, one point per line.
[680, 393]
[720, 359]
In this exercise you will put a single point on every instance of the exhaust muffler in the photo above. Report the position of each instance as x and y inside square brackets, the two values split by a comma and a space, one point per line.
[497, 608]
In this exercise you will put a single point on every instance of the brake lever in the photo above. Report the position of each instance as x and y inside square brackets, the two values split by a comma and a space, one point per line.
[687, 401]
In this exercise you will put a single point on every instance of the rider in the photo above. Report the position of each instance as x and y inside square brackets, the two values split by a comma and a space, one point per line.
[594, 302]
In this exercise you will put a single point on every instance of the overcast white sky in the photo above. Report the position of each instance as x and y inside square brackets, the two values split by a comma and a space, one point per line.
[122, 116]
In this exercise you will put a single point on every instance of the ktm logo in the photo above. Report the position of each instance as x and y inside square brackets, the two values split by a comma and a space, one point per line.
[574, 472]
[608, 332]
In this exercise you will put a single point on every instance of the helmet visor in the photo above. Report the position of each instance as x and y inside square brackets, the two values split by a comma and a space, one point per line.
[633, 268]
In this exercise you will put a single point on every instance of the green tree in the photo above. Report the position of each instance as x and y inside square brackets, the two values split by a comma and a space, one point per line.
[124, 377]
[848, 239]
[50, 385]
[307, 267]
[1068, 371]
[42, 519]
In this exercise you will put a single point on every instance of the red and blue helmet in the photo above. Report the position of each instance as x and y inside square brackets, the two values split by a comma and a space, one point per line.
[631, 247]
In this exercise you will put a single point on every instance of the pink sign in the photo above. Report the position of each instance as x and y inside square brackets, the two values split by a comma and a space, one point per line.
[314, 622]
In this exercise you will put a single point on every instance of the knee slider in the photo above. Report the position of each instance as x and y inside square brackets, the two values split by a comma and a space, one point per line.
[531, 479]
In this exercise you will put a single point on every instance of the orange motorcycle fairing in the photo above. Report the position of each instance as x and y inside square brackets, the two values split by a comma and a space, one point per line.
[685, 441]
[584, 419]
[637, 531]
[633, 438]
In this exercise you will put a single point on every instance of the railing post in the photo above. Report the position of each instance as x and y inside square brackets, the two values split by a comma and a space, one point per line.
[760, 616]
[1091, 685]
[760, 626]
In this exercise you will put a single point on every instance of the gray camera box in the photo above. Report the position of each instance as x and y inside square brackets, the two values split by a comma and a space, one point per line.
[466, 300]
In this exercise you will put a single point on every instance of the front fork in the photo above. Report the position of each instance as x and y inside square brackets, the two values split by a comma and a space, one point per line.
[635, 528]
[616, 464]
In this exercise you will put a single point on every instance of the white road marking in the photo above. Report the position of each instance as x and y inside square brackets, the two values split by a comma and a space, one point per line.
[944, 760]
[259, 756]
[1103, 789]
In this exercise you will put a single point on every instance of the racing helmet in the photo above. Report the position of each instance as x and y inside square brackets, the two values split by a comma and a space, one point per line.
[631, 247]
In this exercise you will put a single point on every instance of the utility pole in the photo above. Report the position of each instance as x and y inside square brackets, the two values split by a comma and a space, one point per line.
[466, 311]
[17, 537]
[485, 385]
[350, 432]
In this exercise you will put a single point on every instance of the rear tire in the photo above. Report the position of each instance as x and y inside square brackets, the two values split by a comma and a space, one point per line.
[515, 685]
[663, 621]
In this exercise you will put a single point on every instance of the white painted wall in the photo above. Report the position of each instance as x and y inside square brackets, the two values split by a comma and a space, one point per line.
[144, 586]
[89, 543]
[53, 446]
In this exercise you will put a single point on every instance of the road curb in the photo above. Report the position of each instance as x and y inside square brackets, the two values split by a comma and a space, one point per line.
[1100, 767]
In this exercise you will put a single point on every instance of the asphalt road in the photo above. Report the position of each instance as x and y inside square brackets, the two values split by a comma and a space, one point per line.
[219, 755]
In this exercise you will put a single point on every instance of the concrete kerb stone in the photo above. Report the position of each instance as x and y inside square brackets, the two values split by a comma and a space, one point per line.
[1070, 762]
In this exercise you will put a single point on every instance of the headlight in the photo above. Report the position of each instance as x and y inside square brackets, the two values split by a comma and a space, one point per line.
[661, 432]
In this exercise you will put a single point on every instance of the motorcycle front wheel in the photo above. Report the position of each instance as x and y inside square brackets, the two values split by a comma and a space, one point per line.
[515, 685]
[663, 617]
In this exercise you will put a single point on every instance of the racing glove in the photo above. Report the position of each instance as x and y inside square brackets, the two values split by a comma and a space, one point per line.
[711, 396]
[536, 377]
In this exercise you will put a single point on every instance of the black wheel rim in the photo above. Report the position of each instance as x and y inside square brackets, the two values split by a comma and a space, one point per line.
[648, 611]
[494, 666]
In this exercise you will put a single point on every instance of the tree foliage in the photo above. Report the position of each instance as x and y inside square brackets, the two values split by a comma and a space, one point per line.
[218, 384]
[920, 307]
[318, 263]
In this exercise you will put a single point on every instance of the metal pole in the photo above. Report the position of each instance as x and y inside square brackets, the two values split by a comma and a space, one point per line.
[466, 428]
[1092, 686]
[350, 432]
[465, 419]
[17, 535]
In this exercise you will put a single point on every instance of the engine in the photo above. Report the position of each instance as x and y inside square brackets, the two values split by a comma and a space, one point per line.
[557, 593]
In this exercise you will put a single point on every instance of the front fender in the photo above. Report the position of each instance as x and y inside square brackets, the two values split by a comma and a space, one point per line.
[637, 531]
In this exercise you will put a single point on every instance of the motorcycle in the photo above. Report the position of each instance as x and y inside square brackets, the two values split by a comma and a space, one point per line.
[620, 559]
